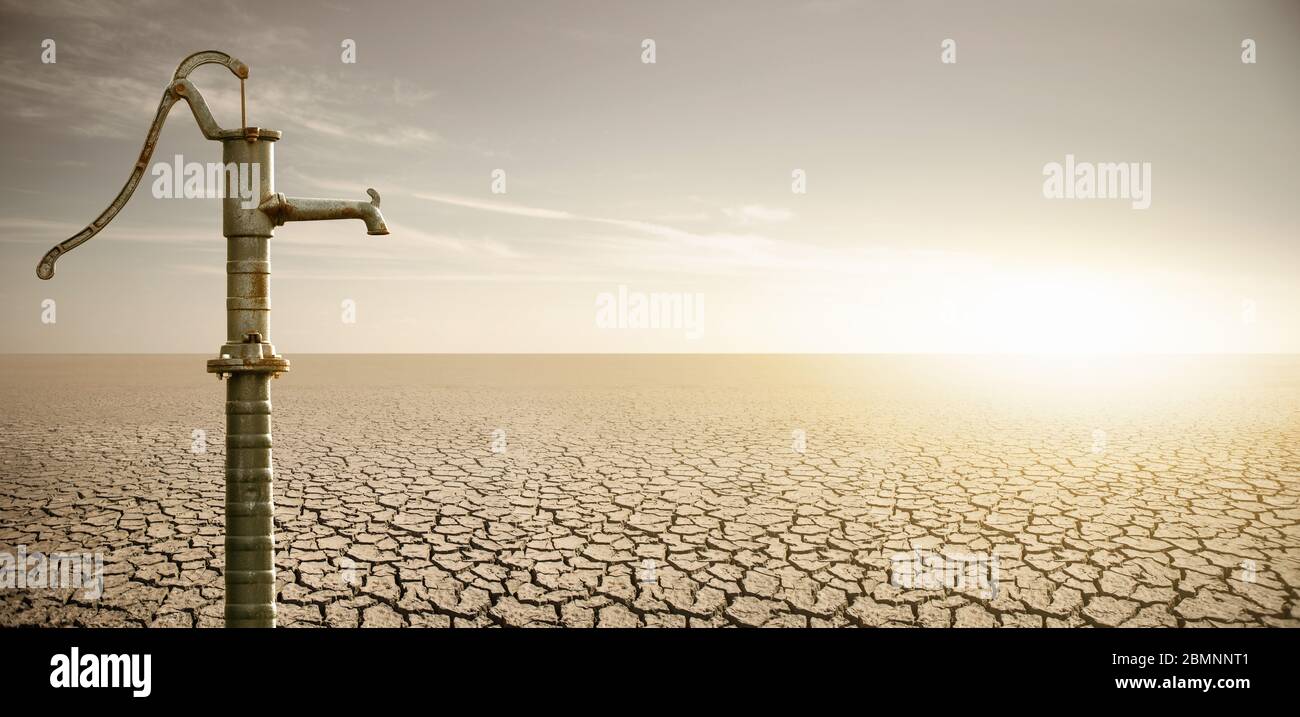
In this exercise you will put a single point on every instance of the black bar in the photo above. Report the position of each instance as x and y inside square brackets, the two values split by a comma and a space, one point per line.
[951, 669]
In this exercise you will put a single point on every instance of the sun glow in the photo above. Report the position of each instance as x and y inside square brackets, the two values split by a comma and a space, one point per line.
[1043, 311]
[1070, 315]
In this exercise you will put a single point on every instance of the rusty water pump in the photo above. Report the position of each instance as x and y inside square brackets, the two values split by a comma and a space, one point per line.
[247, 358]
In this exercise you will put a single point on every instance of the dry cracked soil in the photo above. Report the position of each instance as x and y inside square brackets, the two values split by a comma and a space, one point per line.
[672, 491]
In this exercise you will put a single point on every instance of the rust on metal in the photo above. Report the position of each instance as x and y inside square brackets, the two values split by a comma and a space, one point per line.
[179, 88]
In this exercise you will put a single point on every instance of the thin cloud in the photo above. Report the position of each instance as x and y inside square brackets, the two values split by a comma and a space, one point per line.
[665, 248]
[499, 207]
[758, 214]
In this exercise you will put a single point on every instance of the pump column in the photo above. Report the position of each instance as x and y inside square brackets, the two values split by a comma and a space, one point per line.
[250, 361]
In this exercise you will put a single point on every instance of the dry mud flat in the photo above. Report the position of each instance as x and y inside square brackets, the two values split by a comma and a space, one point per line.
[673, 491]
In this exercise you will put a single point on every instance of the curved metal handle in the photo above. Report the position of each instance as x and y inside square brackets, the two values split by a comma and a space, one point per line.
[209, 57]
[180, 88]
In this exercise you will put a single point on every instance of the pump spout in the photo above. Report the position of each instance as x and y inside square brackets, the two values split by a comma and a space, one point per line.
[300, 209]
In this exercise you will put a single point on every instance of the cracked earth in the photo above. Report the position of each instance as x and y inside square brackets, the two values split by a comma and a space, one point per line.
[670, 491]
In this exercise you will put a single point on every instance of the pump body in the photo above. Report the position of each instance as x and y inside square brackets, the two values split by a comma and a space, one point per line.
[249, 361]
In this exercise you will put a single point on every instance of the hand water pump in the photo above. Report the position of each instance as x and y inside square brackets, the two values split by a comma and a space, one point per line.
[247, 358]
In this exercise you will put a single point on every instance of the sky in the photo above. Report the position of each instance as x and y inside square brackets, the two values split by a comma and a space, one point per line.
[922, 224]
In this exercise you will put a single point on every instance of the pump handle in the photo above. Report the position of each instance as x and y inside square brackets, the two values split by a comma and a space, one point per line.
[179, 88]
